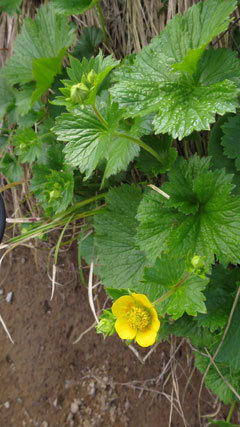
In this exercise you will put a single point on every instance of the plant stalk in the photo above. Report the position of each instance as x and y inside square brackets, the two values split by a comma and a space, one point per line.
[231, 411]
[99, 116]
[141, 144]
[171, 291]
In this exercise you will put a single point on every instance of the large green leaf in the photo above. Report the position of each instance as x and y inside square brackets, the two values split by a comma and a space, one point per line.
[215, 382]
[165, 276]
[45, 38]
[6, 95]
[231, 139]
[73, 7]
[44, 70]
[89, 40]
[121, 260]
[90, 141]
[219, 160]
[187, 98]
[201, 216]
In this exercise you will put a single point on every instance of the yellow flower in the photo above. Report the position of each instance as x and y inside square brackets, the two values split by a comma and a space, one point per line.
[136, 318]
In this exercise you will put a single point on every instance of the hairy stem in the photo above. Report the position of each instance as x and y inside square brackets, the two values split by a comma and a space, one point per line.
[99, 116]
[171, 291]
[140, 143]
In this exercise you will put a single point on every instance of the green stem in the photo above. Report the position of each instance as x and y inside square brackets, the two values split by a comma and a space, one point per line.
[171, 291]
[99, 116]
[231, 411]
[126, 136]
[140, 143]
[45, 134]
[100, 14]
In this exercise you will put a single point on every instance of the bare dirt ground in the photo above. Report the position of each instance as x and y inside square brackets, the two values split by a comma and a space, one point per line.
[46, 380]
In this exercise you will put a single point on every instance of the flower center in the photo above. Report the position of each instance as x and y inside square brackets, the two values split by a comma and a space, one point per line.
[138, 318]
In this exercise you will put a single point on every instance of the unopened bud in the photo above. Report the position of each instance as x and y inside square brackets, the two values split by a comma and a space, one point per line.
[79, 93]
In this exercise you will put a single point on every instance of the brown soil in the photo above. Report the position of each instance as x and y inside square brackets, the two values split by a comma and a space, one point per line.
[48, 381]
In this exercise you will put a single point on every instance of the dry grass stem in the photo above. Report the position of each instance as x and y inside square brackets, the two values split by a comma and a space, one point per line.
[6, 329]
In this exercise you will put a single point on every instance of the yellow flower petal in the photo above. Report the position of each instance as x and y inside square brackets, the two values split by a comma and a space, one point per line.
[124, 330]
[155, 320]
[142, 300]
[146, 337]
[122, 305]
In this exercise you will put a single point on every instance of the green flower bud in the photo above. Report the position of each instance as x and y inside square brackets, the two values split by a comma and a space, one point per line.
[91, 77]
[197, 261]
[79, 93]
[106, 326]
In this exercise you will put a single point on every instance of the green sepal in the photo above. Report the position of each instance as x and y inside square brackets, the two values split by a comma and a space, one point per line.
[106, 325]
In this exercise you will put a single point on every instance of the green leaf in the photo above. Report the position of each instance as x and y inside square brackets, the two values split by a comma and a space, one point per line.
[10, 168]
[28, 147]
[73, 7]
[155, 224]
[186, 99]
[116, 293]
[10, 6]
[163, 146]
[54, 189]
[89, 40]
[6, 95]
[220, 423]
[214, 381]
[219, 160]
[48, 36]
[188, 327]
[219, 298]
[164, 277]
[201, 216]
[3, 142]
[89, 141]
[23, 99]
[231, 140]
[229, 353]
[121, 260]
[199, 25]
[44, 70]
[218, 65]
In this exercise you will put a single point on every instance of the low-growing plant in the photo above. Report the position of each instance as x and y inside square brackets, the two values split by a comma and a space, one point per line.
[125, 138]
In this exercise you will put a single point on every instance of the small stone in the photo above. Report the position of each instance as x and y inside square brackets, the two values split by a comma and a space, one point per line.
[44, 424]
[1, 291]
[9, 297]
[7, 405]
[20, 401]
[74, 407]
